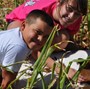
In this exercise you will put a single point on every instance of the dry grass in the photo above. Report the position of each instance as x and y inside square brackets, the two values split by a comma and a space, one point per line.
[6, 6]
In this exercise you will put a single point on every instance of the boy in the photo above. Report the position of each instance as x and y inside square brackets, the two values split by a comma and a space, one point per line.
[18, 43]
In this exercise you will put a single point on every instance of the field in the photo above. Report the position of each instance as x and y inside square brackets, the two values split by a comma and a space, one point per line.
[82, 38]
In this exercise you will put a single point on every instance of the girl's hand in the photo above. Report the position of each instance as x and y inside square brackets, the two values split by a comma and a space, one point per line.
[84, 75]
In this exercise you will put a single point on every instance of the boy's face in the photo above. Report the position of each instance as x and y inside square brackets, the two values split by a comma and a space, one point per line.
[35, 34]
[68, 12]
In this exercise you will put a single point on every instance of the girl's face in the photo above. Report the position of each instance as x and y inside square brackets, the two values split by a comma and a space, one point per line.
[68, 12]
[35, 34]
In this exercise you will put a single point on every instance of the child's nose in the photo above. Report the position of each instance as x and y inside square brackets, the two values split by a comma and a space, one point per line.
[40, 38]
[72, 15]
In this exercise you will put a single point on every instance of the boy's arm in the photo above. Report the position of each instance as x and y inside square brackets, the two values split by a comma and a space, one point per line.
[7, 78]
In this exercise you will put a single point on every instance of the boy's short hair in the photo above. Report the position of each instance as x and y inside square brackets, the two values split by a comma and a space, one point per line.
[34, 14]
[82, 4]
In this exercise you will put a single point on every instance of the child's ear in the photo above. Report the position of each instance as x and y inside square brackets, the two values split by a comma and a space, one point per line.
[23, 25]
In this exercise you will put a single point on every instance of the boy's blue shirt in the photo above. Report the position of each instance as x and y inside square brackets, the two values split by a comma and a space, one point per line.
[12, 48]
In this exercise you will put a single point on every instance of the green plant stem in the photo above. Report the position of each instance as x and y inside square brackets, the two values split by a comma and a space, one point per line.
[43, 57]
[75, 77]
[62, 81]
[18, 77]
[43, 81]
[53, 69]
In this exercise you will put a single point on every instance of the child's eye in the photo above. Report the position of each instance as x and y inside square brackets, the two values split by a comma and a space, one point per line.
[69, 8]
[39, 32]
[46, 37]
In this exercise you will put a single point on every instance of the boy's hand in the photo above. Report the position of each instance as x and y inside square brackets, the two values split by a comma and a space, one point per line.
[7, 78]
